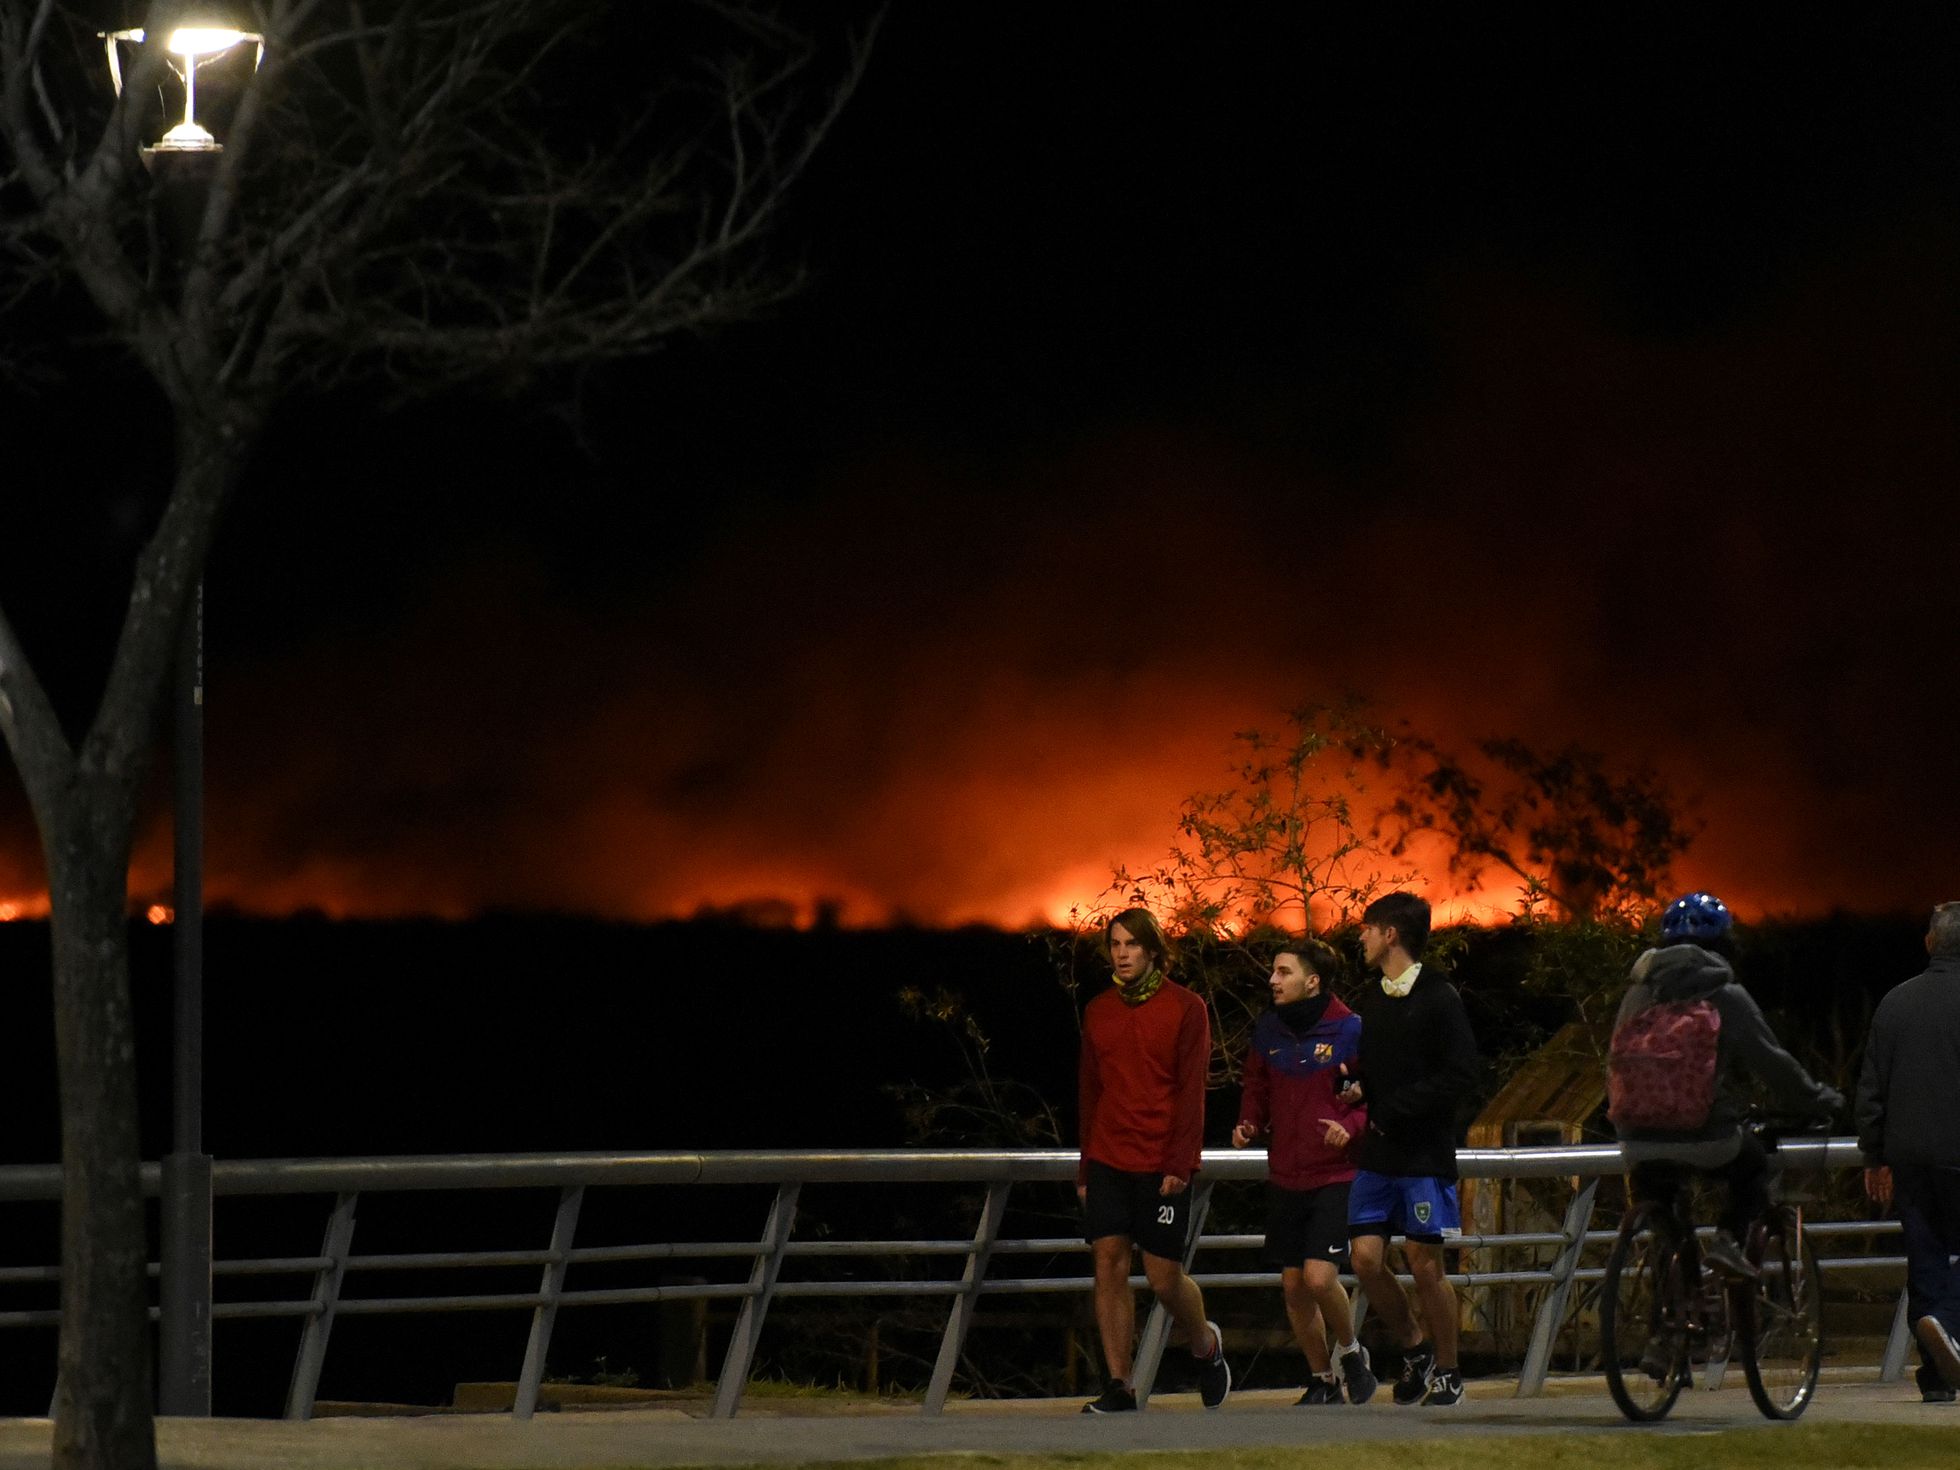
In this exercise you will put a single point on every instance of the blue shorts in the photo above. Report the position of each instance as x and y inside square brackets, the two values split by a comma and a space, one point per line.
[1419, 1207]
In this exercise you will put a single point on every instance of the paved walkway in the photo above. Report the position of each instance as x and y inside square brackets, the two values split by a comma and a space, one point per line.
[780, 1433]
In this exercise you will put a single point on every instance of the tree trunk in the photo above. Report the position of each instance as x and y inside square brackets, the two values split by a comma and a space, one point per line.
[104, 1416]
[85, 806]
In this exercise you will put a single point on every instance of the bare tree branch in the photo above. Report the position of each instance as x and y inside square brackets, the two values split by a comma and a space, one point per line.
[547, 261]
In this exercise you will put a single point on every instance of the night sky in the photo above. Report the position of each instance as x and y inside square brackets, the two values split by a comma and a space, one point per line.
[1161, 367]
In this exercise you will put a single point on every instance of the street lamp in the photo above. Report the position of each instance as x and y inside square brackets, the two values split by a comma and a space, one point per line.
[194, 46]
[181, 162]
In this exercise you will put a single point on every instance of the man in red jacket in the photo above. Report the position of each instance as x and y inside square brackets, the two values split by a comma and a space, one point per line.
[1146, 1042]
[1300, 1051]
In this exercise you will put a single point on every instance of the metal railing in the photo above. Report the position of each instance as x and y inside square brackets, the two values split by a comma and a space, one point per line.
[788, 1172]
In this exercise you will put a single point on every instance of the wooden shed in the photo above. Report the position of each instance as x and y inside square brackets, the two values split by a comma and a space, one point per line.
[1550, 1098]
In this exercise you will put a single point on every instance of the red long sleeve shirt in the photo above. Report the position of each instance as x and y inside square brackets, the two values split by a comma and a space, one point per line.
[1142, 1082]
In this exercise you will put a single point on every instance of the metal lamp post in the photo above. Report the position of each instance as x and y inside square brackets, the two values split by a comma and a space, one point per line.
[180, 163]
[194, 46]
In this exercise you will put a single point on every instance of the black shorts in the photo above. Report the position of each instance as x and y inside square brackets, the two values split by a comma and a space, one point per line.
[1132, 1205]
[1307, 1225]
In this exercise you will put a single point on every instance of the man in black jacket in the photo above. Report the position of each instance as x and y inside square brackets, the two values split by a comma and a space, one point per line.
[1418, 1063]
[1905, 1127]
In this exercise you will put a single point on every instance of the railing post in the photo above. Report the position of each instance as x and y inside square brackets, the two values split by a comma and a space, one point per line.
[1551, 1311]
[1157, 1328]
[960, 1318]
[755, 1306]
[525, 1403]
[326, 1301]
[1896, 1346]
[184, 1286]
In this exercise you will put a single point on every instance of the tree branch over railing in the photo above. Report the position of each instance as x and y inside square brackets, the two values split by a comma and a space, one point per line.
[21, 40]
[397, 191]
[545, 259]
[80, 220]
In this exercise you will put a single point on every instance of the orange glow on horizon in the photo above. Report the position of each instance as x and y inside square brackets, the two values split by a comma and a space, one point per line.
[1002, 885]
[952, 829]
[820, 725]
[807, 905]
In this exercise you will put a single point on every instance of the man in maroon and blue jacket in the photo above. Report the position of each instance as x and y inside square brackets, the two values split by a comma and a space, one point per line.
[1293, 1072]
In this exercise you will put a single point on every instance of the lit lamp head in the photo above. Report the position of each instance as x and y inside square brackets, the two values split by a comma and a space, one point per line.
[195, 46]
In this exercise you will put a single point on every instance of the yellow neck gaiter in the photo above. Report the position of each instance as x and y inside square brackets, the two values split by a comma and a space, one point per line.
[1139, 991]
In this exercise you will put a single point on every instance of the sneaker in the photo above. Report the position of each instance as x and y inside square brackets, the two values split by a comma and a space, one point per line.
[1214, 1373]
[1356, 1373]
[1445, 1389]
[1116, 1399]
[1325, 1390]
[1657, 1358]
[1418, 1364]
[1940, 1349]
[1726, 1256]
[1932, 1387]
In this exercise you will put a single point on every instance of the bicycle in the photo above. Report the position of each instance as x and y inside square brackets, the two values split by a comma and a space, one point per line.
[1662, 1306]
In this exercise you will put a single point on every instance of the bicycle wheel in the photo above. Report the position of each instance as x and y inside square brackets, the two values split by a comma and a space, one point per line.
[1643, 1315]
[1783, 1326]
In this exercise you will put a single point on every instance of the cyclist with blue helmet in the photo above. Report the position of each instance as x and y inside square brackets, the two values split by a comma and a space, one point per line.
[1699, 918]
[1691, 966]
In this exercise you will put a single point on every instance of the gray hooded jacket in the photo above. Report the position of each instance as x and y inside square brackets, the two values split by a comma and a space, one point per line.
[1746, 1048]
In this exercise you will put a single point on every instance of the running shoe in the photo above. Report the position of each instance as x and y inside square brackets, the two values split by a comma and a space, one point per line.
[1321, 1391]
[1418, 1364]
[1726, 1256]
[1932, 1387]
[1214, 1373]
[1445, 1389]
[1657, 1358]
[1940, 1347]
[1116, 1399]
[1357, 1374]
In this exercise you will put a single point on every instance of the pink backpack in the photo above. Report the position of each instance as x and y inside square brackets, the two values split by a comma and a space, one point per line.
[1660, 1073]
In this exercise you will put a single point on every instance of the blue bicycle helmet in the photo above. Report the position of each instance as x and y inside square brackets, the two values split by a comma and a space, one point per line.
[1696, 917]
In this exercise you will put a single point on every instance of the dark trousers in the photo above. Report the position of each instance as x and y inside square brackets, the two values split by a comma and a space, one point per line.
[1928, 1200]
[1746, 1175]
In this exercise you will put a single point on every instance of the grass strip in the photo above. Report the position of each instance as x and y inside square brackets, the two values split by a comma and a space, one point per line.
[1768, 1447]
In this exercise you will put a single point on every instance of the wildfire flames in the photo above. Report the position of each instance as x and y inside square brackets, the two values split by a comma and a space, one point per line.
[978, 831]
[973, 711]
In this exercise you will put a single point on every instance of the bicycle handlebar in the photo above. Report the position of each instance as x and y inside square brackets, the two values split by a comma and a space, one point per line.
[1773, 1128]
